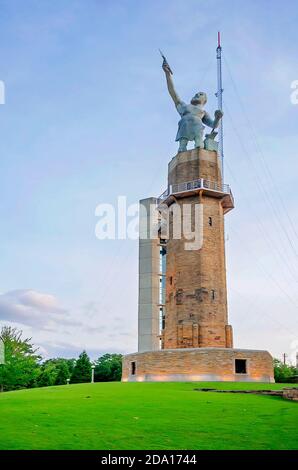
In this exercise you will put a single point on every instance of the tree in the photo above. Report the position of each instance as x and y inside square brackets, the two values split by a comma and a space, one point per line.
[21, 367]
[283, 372]
[62, 373]
[82, 369]
[70, 364]
[62, 370]
[48, 374]
[108, 368]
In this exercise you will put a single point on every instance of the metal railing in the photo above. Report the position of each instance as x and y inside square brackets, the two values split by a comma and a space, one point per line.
[200, 183]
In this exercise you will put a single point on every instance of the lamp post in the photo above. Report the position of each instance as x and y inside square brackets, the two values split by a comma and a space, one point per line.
[92, 373]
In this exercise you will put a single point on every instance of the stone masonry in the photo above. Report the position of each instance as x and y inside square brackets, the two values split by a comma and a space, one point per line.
[193, 340]
[198, 364]
[196, 294]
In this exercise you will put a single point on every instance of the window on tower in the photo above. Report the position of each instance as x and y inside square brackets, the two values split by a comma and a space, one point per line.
[240, 366]
[133, 368]
[162, 319]
[210, 221]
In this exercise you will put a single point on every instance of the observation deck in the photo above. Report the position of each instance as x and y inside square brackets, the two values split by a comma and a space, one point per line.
[201, 185]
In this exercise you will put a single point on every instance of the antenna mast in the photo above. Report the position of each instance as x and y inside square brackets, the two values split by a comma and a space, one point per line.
[219, 102]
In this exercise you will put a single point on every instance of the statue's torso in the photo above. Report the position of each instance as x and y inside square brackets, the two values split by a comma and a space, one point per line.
[190, 110]
[190, 124]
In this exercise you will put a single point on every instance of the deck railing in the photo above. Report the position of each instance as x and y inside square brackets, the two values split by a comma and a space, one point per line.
[200, 183]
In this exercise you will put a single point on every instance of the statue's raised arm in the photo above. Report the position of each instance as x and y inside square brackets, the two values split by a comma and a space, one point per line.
[193, 116]
[170, 84]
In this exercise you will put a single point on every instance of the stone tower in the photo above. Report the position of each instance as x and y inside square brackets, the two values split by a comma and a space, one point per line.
[184, 333]
[196, 295]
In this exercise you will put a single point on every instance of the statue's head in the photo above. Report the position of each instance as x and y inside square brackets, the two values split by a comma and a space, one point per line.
[199, 98]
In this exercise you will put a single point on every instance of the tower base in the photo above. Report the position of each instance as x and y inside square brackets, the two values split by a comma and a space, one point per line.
[199, 365]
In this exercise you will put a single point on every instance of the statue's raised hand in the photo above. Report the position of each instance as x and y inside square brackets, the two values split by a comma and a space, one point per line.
[166, 68]
[218, 114]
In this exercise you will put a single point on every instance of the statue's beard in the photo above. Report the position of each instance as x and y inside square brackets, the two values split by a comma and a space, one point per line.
[194, 101]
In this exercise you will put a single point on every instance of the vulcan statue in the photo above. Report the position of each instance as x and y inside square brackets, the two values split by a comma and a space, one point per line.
[193, 115]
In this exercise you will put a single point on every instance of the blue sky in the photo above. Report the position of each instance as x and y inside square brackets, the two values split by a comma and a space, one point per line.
[87, 118]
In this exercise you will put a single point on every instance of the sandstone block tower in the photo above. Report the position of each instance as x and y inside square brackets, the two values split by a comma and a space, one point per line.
[196, 295]
[184, 332]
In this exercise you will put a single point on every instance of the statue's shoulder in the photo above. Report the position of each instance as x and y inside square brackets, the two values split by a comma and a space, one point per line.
[181, 107]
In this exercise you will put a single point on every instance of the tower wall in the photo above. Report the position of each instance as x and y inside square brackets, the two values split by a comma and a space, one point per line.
[149, 270]
[198, 364]
[196, 295]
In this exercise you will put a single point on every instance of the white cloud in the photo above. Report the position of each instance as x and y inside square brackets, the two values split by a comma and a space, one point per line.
[57, 331]
[31, 308]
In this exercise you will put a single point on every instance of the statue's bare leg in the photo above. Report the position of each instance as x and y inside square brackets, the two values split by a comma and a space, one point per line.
[199, 141]
[182, 145]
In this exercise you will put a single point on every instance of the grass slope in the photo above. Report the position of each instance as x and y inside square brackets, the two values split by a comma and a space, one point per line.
[146, 416]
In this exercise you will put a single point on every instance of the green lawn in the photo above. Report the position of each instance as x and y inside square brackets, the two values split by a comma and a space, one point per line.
[146, 416]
